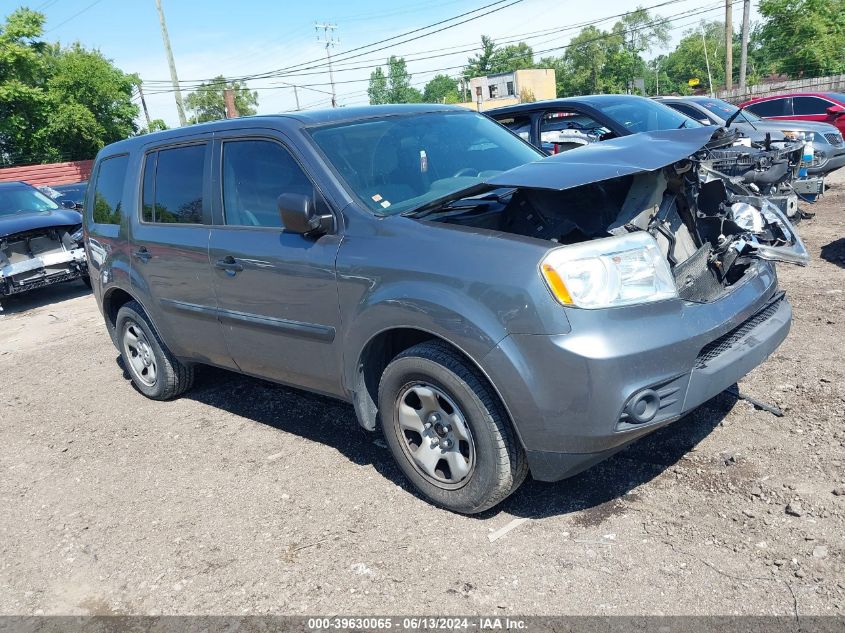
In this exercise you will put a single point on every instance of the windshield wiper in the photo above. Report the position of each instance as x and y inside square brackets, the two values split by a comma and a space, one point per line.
[458, 204]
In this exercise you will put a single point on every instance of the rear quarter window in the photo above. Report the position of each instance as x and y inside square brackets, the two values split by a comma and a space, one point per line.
[107, 207]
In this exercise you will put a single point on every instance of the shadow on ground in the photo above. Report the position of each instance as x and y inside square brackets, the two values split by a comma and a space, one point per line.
[597, 491]
[17, 304]
[835, 252]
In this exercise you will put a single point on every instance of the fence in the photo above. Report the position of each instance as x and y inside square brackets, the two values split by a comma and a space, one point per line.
[51, 174]
[834, 83]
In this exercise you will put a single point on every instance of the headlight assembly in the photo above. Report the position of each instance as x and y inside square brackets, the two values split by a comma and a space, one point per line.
[747, 217]
[609, 272]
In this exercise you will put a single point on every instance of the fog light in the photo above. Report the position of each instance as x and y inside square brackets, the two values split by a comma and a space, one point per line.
[643, 406]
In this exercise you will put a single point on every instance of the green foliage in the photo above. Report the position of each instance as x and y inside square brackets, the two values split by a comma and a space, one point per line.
[800, 38]
[156, 125]
[687, 61]
[57, 103]
[395, 87]
[208, 102]
[494, 60]
[441, 89]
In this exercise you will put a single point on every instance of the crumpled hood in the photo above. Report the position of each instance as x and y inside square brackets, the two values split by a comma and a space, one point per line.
[646, 151]
[11, 224]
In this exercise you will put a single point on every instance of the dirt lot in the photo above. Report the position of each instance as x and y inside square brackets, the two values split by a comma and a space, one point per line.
[245, 497]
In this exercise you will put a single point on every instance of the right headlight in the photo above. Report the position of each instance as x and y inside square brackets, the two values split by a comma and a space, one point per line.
[609, 272]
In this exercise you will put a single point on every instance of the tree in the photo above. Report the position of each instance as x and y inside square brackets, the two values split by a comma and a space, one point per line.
[492, 60]
[481, 64]
[441, 89]
[57, 103]
[395, 87]
[208, 101]
[800, 38]
[688, 61]
[156, 125]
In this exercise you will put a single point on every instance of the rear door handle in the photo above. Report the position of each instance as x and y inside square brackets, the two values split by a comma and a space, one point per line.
[143, 254]
[229, 264]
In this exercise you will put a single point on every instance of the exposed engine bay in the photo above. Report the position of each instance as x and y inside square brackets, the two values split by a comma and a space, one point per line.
[40, 257]
[710, 228]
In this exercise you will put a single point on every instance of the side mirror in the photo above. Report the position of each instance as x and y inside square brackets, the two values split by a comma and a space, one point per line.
[67, 203]
[836, 110]
[299, 215]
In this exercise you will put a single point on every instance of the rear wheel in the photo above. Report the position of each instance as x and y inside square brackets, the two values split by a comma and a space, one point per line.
[448, 431]
[154, 370]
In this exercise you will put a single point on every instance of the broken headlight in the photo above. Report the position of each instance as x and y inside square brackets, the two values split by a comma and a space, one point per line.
[76, 236]
[747, 217]
[610, 272]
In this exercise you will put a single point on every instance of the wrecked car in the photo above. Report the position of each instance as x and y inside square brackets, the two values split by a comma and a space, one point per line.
[40, 242]
[770, 165]
[490, 310]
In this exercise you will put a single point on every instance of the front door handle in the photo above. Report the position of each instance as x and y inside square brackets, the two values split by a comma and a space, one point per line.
[229, 264]
[143, 254]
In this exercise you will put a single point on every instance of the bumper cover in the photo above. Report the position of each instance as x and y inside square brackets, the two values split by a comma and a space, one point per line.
[567, 393]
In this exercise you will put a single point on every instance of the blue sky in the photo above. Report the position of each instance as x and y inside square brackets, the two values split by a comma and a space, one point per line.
[211, 37]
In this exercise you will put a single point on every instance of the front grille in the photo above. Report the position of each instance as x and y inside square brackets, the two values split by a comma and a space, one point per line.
[834, 139]
[727, 341]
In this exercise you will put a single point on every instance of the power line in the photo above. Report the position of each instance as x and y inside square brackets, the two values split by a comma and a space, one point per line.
[74, 16]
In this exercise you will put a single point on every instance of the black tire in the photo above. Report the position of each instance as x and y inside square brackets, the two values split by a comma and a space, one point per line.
[172, 377]
[499, 460]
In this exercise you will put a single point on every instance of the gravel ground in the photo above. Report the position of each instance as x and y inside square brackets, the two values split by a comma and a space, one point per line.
[244, 497]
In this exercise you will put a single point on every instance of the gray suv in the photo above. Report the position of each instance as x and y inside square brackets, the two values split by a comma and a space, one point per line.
[491, 310]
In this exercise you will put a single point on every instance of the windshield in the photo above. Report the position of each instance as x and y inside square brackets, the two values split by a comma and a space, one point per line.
[23, 199]
[724, 110]
[644, 115]
[396, 163]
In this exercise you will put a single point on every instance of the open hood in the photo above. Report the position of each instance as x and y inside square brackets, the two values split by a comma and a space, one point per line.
[627, 155]
[20, 222]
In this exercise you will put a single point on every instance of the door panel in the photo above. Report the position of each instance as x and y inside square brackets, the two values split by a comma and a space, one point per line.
[276, 291]
[169, 251]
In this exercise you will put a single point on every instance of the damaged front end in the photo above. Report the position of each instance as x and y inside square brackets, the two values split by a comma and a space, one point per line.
[640, 195]
[41, 257]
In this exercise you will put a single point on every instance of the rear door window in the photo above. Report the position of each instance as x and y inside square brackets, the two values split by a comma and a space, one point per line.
[691, 112]
[772, 107]
[810, 105]
[108, 190]
[173, 185]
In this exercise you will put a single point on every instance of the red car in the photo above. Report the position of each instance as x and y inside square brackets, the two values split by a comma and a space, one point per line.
[825, 107]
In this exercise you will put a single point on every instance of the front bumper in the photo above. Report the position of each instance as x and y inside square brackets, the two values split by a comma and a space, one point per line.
[45, 269]
[567, 394]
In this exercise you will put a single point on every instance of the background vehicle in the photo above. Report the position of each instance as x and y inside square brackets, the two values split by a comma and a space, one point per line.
[550, 124]
[484, 307]
[74, 192]
[40, 242]
[829, 149]
[770, 169]
[823, 107]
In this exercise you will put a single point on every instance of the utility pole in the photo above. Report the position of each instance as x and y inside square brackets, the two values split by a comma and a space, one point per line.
[657, 78]
[729, 45]
[330, 41]
[707, 61]
[144, 104]
[296, 96]
[743, 57]
[229, 99]
[180, 107]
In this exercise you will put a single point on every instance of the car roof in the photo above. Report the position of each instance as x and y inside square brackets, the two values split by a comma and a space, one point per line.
[303, 118]
[593, 101]
[15, 184]
[826, 95]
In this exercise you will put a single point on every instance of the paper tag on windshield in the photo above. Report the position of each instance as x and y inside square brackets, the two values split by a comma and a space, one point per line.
[385, 204]
[423, 161]
[377, 198]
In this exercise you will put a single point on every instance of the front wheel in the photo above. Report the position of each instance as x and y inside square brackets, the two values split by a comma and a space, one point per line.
[448, 430]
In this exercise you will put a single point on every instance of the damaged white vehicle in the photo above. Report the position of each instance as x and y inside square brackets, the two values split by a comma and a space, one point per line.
[40, 242]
